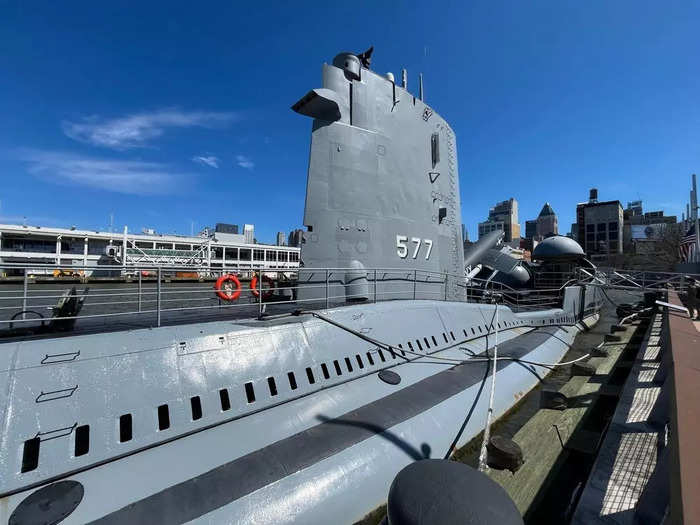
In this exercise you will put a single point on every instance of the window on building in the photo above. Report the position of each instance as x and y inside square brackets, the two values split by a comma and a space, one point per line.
[590, 237]
[600, 236]
[294, 257]
[258, 255]
[590, 227]
[613, 235]
[601, 227]
[271, 255]
[612, 226]
[245, 254]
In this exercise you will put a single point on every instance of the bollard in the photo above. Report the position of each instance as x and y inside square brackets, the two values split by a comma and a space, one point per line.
[583, 369]
[504, 454]
[599, 351]
[439, 491]
[553, 400]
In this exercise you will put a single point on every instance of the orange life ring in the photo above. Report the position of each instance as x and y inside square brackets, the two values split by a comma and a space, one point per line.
[267, 292]
[227, 292]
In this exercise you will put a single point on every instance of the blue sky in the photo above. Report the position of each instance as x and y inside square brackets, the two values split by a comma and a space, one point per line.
[169, 113]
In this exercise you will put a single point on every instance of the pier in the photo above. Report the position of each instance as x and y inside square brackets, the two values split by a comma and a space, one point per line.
[624, 449]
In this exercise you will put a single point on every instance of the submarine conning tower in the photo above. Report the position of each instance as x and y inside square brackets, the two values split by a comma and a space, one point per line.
[382, 188]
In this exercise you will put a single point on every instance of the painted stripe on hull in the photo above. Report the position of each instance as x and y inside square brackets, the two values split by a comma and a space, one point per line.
[197, 496]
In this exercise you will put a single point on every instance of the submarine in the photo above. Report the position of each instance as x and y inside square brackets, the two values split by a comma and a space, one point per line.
[304, 417]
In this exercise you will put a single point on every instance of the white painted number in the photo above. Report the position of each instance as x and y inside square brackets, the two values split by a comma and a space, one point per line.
[402, 246]
[430, 248]
[416, 241]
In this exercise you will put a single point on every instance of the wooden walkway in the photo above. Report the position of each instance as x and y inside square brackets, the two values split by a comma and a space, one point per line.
[550, 435]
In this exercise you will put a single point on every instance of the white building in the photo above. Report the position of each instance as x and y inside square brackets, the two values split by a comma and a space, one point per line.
[23, 245]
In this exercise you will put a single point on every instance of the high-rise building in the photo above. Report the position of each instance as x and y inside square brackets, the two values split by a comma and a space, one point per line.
[599, 227]
[295, 237]
[280, 238]
[547, 222]
[222, 227]
[531, 229]
[503, 216]
[249, 233]
[634, 208]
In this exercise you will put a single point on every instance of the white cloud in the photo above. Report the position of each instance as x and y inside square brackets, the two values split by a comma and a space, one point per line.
[133, 177]
[209, 160]
[134, 131]
[245, 162]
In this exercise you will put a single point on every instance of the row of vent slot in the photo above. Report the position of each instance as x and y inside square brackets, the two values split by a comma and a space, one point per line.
[30, 456]
[272, 385]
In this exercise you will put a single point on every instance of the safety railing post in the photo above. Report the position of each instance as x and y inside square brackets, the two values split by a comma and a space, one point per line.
[158, 275]
[415, 279]
[260, 305]
[375, 286]
[24, 294]
[326, 289]
[140, 289]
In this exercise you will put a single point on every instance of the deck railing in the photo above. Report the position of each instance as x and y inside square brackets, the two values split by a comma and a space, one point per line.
[152, 296]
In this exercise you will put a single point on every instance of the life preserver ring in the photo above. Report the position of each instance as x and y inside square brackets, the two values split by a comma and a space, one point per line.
[224, 290]
[266, 292]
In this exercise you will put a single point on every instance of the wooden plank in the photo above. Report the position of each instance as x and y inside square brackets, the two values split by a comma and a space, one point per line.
[545, 435]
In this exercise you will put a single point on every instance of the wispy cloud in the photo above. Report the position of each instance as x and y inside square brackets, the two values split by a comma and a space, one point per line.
[133, 177]
[209, 160]
[135, 131]
[245, 162]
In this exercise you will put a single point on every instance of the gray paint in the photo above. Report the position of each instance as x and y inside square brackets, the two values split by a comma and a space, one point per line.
[197, 496]
[375, 173]
[370, 178]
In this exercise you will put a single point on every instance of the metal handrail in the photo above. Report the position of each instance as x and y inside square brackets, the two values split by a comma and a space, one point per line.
[161, 297]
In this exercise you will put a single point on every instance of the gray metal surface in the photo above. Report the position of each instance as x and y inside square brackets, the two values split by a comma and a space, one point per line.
[383, 184]
[285, 419]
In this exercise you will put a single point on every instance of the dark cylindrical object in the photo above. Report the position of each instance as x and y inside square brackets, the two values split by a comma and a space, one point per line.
[504, 454]
[600, 352]
[583, 369]
[553, 400]
[478, 250]
[444, 492]
[593, 195]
